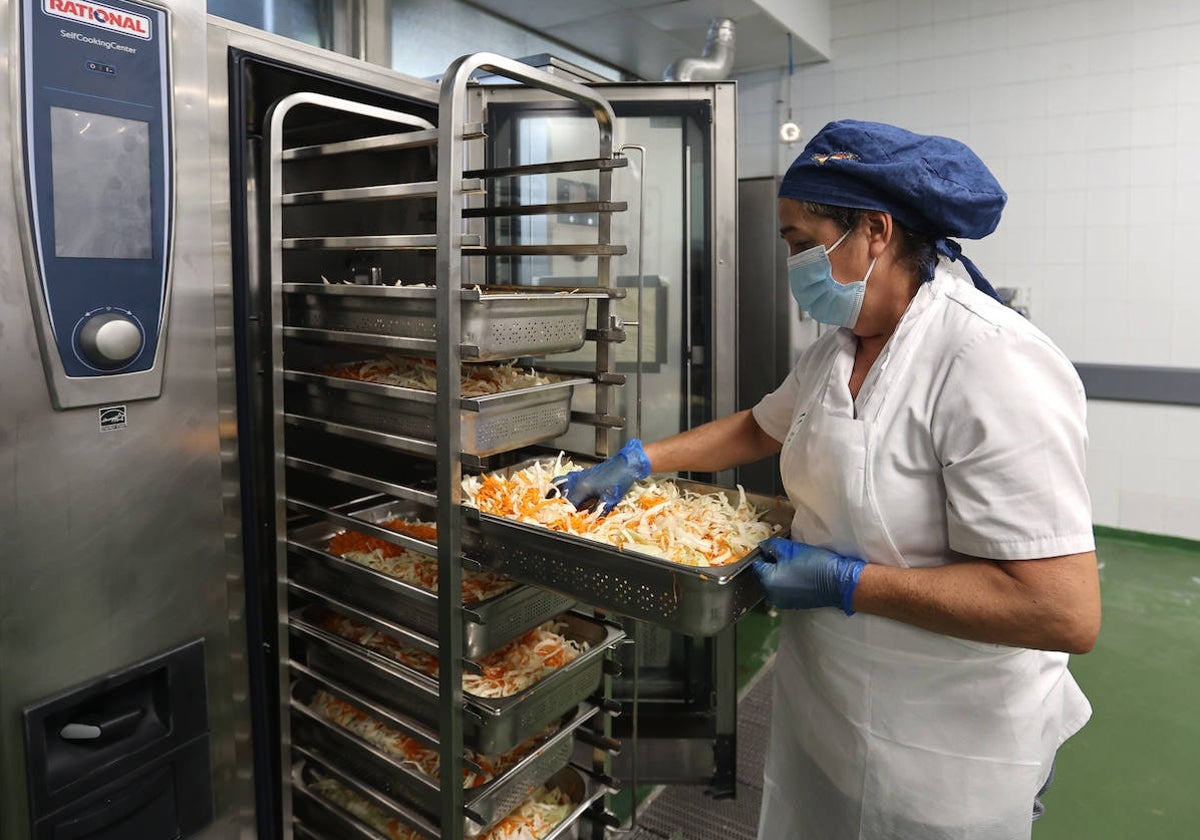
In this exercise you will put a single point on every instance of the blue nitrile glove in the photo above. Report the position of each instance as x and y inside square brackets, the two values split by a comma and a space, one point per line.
[609, 480]
[798, 576]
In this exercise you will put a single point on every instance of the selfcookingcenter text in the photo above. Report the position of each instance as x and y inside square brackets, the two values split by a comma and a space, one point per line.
[108, 45]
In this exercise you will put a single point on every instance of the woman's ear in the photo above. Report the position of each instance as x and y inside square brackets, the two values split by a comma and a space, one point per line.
[879, 229]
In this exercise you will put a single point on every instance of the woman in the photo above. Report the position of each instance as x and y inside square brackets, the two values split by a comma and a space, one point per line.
[933, 447]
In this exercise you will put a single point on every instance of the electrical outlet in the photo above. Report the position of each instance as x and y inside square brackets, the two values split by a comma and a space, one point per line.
[1024, 301]
[1019, 298]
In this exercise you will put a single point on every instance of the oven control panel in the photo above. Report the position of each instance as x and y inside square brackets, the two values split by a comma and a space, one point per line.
[99, 174]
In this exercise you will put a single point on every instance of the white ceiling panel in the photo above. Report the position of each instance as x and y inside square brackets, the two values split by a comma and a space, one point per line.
[644, 37]
[641, 50]
[687, 14]
[540, 15]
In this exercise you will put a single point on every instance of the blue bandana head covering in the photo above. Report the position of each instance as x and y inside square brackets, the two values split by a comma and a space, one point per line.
[932, 185]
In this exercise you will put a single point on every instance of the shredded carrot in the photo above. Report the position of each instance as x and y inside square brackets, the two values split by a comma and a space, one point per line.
[533, 819]
[506, 671]
[655, 517]
[411, 752]
[412, 566]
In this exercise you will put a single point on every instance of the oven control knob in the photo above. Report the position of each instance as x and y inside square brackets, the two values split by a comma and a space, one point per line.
[110, 339]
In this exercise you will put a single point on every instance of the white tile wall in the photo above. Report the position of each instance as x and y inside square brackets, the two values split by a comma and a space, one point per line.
[1088, 111]
[1138, 485]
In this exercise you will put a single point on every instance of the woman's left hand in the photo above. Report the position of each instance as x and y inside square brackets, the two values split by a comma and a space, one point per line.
[798, 576]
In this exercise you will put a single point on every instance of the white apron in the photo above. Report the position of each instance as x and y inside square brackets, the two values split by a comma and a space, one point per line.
[881, 730]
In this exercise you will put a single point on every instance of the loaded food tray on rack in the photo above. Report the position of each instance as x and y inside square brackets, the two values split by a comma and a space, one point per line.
[501, 612]
[498, 322]
[628, 580]
[330, 724]
[491, 725]
[333, 804]
[527, 409]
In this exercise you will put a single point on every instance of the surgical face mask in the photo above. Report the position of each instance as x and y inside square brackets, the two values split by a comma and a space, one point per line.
[823, 298]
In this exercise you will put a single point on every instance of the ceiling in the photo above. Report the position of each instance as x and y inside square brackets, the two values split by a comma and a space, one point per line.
[644, 37]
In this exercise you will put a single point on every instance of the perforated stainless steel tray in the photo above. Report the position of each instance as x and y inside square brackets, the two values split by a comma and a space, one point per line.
[490, 424]
[486, 624]
[490, 725]
[498, 322]
[686, 599]
[484, 805]
[317, 817]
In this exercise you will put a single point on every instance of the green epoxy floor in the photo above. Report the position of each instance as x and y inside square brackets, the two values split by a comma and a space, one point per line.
[1134, 770]
[757, 638]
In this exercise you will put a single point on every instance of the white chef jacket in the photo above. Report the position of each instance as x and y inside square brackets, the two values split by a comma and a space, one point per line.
[972, 443]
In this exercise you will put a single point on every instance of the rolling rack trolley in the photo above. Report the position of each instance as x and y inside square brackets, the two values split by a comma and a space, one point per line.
[380, 440]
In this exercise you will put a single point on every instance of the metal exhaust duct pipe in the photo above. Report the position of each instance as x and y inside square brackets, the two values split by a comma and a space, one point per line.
[715, 63]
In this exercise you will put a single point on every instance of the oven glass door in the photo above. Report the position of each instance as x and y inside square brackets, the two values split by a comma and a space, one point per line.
[680, 183]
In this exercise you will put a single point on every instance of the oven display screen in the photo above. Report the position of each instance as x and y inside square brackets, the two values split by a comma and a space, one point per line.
[101, 183]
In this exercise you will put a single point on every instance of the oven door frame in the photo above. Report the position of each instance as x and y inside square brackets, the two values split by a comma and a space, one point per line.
[693, 697]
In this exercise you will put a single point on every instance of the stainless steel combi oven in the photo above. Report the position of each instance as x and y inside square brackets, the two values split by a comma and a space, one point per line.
[213, 223]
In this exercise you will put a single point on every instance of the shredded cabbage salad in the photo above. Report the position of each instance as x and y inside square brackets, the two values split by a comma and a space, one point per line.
[533, 819]
[412, 753]
[506, 671]
[412, 566]
[655, 517]
[411, 372]
[399, 283]
[359, 807]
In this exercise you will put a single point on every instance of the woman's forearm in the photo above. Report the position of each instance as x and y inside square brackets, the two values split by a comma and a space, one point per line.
[728, 442]
[1048, 604]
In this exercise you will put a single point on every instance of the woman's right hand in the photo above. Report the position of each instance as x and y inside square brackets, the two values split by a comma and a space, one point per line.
[608, 481]
[798, 576]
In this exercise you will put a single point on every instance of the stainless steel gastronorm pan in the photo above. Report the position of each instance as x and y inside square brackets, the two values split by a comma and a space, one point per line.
[498, 322]
[490, 424]
[686, 599]
[484, 805]
[319, 819]
[490, 725]
[486, 624]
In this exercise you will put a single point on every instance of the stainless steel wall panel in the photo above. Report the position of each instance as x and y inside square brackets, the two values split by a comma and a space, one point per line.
[724, 214]
[226, 361]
